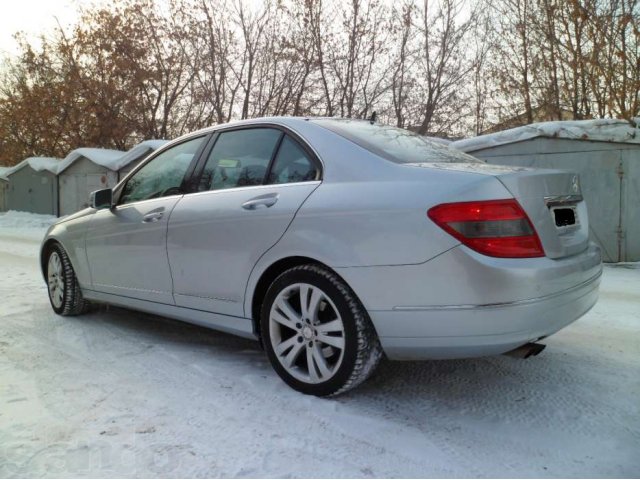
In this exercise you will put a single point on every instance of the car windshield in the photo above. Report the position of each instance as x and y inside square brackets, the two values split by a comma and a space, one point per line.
[394, 144]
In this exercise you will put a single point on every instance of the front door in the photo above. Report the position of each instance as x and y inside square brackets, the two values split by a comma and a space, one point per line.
[126, 245]
[253, 183]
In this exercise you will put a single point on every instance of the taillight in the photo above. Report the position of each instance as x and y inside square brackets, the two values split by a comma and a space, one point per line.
[497, 228]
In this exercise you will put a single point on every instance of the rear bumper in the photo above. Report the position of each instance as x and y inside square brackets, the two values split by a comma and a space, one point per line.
[462, 304]
[459, 332]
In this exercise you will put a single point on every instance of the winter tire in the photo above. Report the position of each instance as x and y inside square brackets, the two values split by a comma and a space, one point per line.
[317, 334]
[65, 294]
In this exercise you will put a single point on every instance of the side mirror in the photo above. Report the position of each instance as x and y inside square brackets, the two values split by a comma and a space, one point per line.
[101, 199]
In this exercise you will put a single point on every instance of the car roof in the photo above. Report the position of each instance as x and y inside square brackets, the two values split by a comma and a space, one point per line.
[285, 121]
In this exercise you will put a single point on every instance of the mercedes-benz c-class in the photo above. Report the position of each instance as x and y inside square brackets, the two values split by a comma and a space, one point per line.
[333, 242]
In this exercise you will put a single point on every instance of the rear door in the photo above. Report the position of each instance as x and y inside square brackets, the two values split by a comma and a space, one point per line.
[126, 245]
[251, 186]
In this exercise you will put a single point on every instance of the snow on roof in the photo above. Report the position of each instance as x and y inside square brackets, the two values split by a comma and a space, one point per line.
[155, 144]
[100, 156]
[38, 164]
[111, 159]
[136, 153]
[602, 130]
[442, 141]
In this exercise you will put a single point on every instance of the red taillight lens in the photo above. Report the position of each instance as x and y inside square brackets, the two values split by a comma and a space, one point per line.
[498, 228]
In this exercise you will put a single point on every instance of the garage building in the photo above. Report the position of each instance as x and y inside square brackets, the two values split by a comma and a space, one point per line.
[83, 171]
[4, 187]
[33, 186]
[606, 154]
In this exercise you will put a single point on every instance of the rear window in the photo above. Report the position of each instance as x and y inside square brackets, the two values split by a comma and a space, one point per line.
[394, 144]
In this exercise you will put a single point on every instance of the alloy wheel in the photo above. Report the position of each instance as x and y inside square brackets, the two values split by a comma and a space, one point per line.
[307, 333]
[55, 279]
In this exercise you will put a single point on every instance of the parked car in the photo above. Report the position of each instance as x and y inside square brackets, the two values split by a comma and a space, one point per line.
[333, 241]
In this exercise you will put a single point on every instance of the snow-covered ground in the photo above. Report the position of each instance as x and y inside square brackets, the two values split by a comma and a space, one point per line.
[119, 393]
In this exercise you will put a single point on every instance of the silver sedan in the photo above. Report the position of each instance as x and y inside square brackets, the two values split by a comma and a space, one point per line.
[333, 242]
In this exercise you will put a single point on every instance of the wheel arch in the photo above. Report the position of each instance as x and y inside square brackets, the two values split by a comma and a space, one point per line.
[44, 252]
[270, 274]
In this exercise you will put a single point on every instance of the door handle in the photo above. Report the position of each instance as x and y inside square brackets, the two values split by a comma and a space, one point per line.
[152, 217]
[267, 201]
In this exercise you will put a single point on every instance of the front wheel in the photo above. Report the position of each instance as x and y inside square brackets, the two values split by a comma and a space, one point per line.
[318, 336]
[65, 294]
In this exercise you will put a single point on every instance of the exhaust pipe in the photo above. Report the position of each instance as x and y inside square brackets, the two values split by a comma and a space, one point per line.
[527, 350]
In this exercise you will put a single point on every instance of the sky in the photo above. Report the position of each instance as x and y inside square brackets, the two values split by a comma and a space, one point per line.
[34, 17]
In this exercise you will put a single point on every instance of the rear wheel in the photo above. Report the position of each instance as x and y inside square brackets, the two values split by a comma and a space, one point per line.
[318, 336]
[65, 294]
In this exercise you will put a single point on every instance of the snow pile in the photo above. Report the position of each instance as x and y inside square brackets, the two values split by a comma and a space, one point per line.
[602, 130]
[28, 228]
[15, 219]
[3, 172]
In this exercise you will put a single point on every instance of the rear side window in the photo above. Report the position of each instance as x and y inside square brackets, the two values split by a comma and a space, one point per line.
[239, 158]
[395, 144]
[292, 164]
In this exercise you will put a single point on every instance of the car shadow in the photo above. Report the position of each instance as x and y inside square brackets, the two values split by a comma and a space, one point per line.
[464, 383]
[164, 330]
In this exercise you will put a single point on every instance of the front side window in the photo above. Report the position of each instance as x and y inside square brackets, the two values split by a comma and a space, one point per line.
[163, 175]
[292, 164]
[395, 144]
[239, 158]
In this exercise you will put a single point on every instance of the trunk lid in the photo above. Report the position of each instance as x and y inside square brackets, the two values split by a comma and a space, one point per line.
[552, 200]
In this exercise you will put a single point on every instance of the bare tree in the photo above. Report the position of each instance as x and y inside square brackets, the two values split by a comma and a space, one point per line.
[576, 58]
[482, 45]
[148, 68]
[516, 57]
[252, 26]
[404, 59]
[216, 54]
[547, 26]
[617, 23]
[442, 64]
[355, 55]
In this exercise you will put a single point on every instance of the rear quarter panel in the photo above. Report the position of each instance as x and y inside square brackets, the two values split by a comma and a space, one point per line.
[376, 223]
[381, 222]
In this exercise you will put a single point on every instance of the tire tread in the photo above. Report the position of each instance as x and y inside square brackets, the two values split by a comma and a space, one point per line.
[74, 303]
